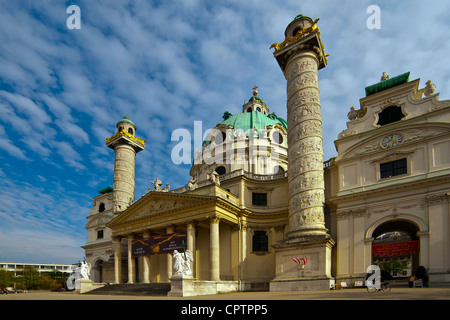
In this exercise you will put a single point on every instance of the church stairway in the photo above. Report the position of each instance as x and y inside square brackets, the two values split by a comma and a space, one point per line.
[137, 289]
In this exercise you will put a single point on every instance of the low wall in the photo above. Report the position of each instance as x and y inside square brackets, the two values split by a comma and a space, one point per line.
[185, 287]
[88, 285]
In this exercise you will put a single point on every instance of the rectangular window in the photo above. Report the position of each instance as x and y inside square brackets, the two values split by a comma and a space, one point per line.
[393, 168]
[260, 242]
[259, 199]
[100, 234]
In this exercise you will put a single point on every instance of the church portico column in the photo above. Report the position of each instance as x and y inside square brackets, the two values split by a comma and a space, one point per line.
[131, 263]
[190, 225]
[146, 262]
[117, 259]
[170, 229]
[214, 248]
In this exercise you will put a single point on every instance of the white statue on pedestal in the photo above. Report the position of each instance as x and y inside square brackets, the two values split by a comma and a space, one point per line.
[79, 272]
[182, 262]
[85, 270]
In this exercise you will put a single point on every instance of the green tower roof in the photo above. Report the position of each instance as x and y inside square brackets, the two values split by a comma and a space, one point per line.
[126, 119]
[106, 190]
[387, 84]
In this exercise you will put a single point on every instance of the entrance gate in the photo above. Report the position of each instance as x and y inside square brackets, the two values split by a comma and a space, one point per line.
[396, 248]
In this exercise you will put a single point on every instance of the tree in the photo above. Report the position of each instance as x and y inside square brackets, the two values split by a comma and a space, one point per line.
[48, 283]
[6, 278]
[393, 265]
[30, 278]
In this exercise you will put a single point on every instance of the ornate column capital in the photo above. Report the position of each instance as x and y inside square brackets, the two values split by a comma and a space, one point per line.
[191, 223]
[116, 238]
[170, 227]
[214, 218]
[436, 199]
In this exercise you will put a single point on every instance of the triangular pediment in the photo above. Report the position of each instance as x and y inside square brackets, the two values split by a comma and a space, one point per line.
[155, 204]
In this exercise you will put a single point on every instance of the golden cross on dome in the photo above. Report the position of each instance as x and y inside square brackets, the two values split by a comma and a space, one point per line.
[254, 90]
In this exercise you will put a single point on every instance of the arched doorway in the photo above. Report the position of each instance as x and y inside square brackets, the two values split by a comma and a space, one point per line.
[395, 248]
[98, 271]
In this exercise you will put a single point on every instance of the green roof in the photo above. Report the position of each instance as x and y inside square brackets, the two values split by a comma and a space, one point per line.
[246, 121]
[250, 120]
[387, 84]
[106, 190]
[128, 120]
[300, 16]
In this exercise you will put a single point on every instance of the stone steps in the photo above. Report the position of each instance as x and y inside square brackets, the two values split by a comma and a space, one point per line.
[138, 289]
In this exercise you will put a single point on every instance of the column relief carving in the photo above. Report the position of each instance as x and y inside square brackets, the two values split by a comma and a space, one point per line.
[346, 214]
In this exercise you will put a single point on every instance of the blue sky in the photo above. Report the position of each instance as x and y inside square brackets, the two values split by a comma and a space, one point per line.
[166, 64]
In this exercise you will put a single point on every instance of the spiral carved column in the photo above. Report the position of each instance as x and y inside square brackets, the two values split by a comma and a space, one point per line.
[305, 152]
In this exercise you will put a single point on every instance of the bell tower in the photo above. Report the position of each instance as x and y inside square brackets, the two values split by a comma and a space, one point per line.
[125, 146]
[300, 56]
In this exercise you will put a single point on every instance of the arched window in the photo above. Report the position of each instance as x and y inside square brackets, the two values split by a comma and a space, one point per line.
[295, 31]
[249, 109]
[220, 138]
[130, 130]
[221, 170]
[389, 115]
[101, 207]
[277, 137]
[260, 242]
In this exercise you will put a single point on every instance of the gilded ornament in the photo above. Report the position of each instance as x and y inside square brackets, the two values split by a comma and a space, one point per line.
[129, 135]
[300, 34]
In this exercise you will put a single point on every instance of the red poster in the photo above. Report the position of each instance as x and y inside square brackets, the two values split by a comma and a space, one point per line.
[396, 249]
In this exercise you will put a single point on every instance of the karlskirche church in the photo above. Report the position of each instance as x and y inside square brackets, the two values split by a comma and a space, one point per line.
[262, 210]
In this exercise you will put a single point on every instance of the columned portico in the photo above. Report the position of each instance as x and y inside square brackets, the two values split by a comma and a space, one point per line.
[208, 236]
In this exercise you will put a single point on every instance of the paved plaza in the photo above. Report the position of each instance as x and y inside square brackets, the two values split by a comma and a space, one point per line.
[344, 294]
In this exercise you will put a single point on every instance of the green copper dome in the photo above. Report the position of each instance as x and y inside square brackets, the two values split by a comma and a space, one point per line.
[300, 16]
[126, 119]
[247, 121]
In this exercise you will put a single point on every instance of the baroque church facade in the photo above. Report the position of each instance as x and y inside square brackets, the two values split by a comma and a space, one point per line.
[264, 215]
